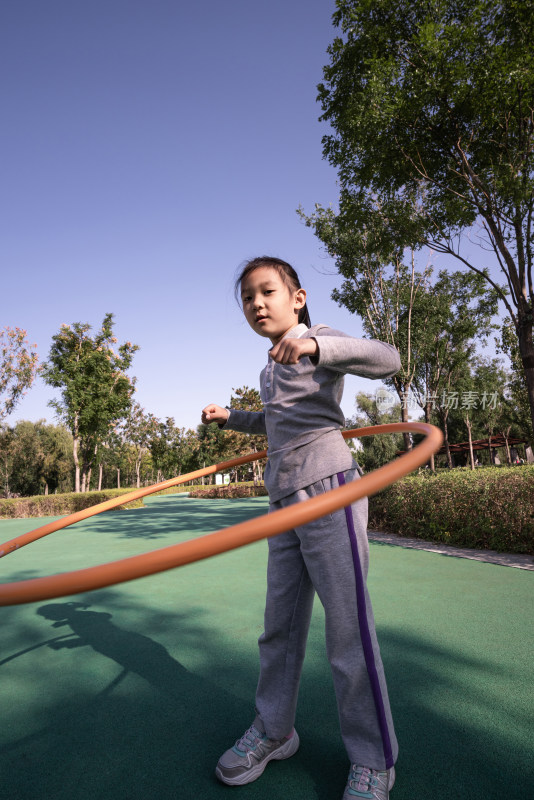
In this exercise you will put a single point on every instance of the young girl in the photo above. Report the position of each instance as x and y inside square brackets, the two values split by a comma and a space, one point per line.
[301, 389]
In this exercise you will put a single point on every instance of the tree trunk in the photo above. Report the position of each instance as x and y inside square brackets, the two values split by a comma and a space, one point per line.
[508, 454]
[403, 391]
[471, 454]
[88, 482]
[526, 350]
[405, 418]
[118, 478]
[431, 463]
[100, 470]
[75, 445]
[446, 435]
[46, 489]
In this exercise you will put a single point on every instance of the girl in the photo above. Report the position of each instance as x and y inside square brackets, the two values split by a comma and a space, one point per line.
[301, 389]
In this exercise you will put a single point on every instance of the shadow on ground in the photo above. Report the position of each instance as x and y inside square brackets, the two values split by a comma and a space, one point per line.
[155, 729]
[168, 515]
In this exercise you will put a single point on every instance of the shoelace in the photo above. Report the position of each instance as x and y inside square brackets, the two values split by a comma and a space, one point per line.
[362, 779]
[249, 739]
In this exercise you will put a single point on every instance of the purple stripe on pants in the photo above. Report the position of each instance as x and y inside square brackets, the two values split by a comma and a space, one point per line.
[366, 636]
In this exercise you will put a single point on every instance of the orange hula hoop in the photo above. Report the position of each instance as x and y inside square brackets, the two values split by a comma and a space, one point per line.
[272, 524]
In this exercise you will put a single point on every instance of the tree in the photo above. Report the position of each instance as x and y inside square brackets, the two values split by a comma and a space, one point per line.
[18, 365]
[460, 316]
[246, 399]
[381, 449]
[6, 459]
[35, 457]
[171, 448]
[96, 391]
[431, 107]
[433, 323]
[211, 446]
[517, 386]
[382, 289]
[136, 432]
[494, 409]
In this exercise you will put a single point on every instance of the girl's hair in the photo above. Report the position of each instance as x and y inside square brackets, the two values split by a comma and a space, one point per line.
[286, 272]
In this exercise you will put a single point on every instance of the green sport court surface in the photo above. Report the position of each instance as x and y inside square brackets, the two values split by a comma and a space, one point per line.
[132, 692]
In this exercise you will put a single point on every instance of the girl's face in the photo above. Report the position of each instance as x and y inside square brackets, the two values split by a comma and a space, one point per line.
[270, 306]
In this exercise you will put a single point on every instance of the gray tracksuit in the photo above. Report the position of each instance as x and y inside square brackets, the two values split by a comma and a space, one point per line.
[307, 455]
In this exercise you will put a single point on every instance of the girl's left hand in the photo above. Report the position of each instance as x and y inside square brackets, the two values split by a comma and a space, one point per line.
[290, 351]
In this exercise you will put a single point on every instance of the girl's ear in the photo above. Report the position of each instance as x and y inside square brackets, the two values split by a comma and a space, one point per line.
[300, 298]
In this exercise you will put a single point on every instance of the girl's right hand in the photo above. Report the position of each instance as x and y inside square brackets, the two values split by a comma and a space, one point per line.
[213, 413]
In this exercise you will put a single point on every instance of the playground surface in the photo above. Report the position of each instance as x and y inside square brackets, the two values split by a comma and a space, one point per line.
[132, 692]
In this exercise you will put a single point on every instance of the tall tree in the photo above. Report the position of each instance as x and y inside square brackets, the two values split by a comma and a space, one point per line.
[456, 316]
[95, 389]
[211, 446]
[381, 288]
[40, 458]
[171, 448]
[431, 107]
[517, 385]
[18, 365]
[246, 399]
[136, 432]
[6, 459]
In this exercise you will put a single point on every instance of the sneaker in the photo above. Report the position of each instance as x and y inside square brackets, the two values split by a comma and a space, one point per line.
[369, 783]
[246, 760]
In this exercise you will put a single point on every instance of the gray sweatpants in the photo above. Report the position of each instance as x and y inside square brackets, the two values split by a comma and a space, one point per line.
[330, 556]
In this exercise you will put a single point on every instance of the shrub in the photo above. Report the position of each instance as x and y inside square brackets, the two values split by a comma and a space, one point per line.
[490, 508]
[231, 491]
[54, 505]
[181, 489]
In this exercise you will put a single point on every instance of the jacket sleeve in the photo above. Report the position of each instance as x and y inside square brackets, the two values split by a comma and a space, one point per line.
[367, 358]
[245, 421]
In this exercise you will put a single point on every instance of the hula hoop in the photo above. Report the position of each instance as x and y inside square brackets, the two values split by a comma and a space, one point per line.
[272, 524]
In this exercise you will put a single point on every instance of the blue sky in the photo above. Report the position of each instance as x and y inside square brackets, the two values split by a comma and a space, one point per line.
[148, 149]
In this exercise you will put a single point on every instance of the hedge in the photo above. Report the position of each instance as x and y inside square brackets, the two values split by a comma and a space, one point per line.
[230, 492]
[55, 505]
[489, 508]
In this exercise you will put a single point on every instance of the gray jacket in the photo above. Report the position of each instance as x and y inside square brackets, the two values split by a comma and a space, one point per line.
[301, 407]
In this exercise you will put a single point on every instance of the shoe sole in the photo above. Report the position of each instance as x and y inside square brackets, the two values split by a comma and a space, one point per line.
[285, 751]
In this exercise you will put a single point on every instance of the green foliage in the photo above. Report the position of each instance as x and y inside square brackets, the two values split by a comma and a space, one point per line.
[171, 447]
[376, 450]
[431, 112]
[490, 508]
[216, 445]
[54, 505]
[18, 365]
[516, 384]
[95, 389]
[246, 399]
[134, 435]
[433, 99]
[35, 457]
[435, 323]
